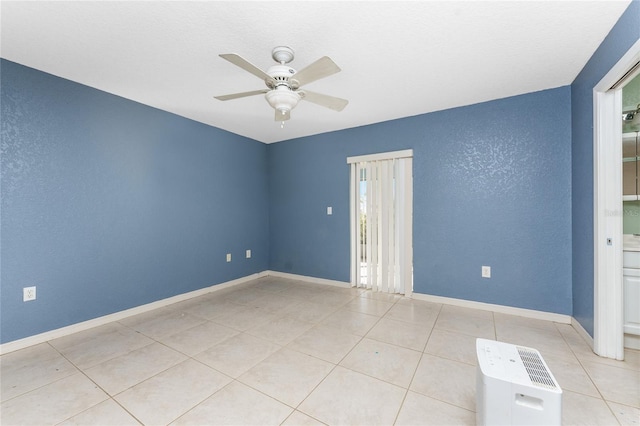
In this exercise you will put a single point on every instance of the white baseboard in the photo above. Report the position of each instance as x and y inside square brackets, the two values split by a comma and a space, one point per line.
[582, 332]
[116, 316]
[528, 313]
[632, 341]
[308, 279]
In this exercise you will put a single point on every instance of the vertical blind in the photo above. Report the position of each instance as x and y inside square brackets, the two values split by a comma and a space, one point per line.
[381, 222]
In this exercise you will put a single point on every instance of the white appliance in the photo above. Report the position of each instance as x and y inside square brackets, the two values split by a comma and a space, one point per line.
[514, 386]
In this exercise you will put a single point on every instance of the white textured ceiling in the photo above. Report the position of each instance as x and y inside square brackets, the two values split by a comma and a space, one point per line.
[398, 58]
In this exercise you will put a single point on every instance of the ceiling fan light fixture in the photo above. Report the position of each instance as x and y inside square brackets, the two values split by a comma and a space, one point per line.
[282, 99]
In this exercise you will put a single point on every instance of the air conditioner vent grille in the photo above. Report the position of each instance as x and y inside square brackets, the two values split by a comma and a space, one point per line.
[538, 372]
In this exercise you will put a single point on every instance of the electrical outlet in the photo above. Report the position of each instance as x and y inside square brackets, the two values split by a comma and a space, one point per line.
[329, 211]
[28, 293]
[228, 257]
[486, 272]
[248, 254]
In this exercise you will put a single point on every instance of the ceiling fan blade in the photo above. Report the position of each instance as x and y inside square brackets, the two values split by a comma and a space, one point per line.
[247, 66]
[282, 117]
[331, 102]
[321, 68]
[241, 95]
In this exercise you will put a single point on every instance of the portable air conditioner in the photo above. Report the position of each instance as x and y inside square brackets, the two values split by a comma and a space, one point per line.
[514, 386]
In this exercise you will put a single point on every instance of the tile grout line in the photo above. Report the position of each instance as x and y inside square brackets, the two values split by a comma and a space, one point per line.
[317, 385]
[109, 396]
[258, 390]
[154, 340]
[339, 361]
[415, 370]
[590, 379]
[49, 383]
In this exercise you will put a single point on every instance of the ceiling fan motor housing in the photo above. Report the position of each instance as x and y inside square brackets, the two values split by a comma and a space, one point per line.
[281, 75]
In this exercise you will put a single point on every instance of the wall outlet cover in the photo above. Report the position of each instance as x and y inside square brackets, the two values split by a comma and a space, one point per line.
[28, 293]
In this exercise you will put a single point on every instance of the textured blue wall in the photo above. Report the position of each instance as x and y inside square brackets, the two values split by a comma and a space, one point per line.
[623, 35]
[108, 204]
[492, 186]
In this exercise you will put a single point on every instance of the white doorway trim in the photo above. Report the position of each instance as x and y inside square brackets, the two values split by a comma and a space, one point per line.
[608, 339]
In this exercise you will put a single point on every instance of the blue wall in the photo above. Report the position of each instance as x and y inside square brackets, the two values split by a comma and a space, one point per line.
[623, 35]
[108, 204]
[492, 186]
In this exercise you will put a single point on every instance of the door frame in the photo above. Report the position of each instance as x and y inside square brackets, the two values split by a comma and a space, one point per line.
[608, 339]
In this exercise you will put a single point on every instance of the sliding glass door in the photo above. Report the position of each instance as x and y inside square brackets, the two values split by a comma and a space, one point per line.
[381, 222]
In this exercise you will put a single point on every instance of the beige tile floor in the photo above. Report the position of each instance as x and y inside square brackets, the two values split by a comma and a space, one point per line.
[279, 351]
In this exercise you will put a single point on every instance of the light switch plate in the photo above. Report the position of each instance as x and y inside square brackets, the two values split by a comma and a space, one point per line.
[486, 272]
[329, 210]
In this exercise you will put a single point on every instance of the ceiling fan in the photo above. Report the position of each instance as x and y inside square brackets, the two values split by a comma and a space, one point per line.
[283, 82]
